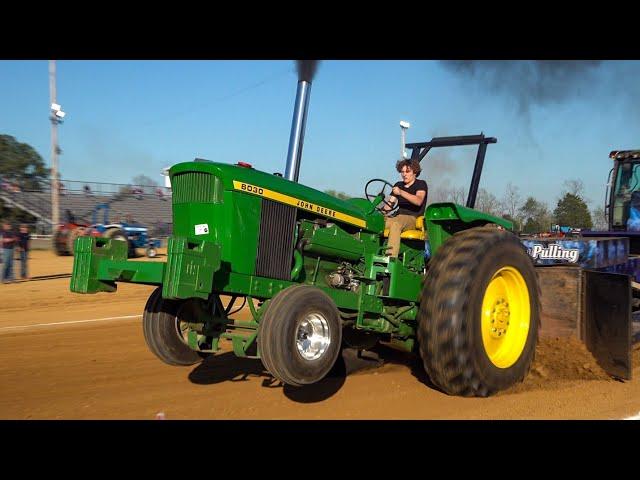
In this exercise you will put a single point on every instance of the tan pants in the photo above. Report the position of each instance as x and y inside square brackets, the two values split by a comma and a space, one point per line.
[396, 226]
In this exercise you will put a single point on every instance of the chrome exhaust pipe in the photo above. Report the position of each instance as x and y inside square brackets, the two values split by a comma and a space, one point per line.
[306, 70]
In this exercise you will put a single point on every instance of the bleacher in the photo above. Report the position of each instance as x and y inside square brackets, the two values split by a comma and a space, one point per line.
[142, 203]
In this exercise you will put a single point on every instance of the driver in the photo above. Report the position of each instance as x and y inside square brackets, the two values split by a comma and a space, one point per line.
[410, 195]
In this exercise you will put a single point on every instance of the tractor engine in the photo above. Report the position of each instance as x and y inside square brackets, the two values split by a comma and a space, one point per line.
[343, 277]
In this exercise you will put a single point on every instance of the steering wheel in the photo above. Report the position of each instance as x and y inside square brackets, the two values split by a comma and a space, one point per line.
[380, 197]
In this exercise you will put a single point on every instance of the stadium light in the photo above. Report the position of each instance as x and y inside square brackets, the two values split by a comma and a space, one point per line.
[404, 126]
[167, 180]
[57, 112]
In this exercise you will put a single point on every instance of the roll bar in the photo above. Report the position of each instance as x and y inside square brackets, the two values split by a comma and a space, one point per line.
[419, 151]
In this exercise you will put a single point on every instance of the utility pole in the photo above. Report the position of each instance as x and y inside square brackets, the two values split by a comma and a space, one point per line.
[56, 117]
[55, 207]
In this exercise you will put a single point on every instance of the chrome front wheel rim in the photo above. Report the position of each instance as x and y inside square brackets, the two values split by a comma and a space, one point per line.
[312, 336]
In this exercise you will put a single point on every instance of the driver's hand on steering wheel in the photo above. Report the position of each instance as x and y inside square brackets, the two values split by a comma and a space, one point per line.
[386, 208]
[396, 191]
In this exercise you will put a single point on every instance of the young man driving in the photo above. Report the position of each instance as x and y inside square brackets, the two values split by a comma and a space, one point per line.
[411, 197]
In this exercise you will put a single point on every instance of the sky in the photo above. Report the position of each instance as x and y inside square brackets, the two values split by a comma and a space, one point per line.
[553, 122]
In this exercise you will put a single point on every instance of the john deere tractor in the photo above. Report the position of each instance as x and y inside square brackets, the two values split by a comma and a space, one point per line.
[314, 273]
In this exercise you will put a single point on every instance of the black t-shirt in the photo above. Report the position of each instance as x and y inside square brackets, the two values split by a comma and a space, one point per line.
[405, 206]
[23, 240]
[8, 234]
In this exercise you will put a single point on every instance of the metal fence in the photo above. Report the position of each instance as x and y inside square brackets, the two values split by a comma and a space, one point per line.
[74, 187]
[82, 187]
[38, 200]
[43, 229]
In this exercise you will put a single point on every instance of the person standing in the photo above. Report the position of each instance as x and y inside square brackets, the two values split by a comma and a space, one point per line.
[23, 246]
[8, 241]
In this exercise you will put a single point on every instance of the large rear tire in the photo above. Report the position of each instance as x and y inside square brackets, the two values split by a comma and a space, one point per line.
[479, 313]
[73, 235]
[60, 242]
[163, 333]
[300, 335]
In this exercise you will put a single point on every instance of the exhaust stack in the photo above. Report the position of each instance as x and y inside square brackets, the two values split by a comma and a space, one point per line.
[306, 71]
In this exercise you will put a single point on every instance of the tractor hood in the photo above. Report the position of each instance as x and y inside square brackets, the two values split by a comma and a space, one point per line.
[254, 182]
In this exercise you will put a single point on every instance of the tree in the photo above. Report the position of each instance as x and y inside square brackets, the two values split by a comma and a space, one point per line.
[600, 222]
[456, 195]
[511, 204]
[340, 195]
[21, 164]
[574, 187]
[515, 222]
[149, 185]
[445, 193]
[512, 200]
[535, 216]
[530, 208]
[572, 211]
[534, 226]
[15, 215]
[487, 202]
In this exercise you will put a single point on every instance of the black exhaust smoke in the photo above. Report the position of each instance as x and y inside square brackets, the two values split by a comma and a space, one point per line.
[531, 82]
[306, 72]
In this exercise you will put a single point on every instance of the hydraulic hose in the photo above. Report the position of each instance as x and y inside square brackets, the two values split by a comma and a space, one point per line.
[297, 266]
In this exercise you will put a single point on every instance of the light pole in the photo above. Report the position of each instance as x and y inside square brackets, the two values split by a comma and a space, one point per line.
[404, 126]
[56, 117]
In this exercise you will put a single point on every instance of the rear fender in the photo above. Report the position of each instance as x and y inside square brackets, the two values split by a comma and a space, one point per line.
[442, 220]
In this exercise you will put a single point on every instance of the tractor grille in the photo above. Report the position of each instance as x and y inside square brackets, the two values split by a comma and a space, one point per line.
[275, 243]
[196, 187]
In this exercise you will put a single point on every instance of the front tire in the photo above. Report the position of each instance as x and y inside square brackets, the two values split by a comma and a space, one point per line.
[479, 313]
[300, 335]
[162, 331]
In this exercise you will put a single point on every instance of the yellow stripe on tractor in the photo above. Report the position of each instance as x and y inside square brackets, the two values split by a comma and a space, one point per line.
[298, 203]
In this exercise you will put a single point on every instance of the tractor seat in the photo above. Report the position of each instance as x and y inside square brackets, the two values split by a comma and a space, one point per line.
[417, 234]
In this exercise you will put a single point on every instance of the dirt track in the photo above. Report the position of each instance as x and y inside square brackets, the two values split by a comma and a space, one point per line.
[103, 370]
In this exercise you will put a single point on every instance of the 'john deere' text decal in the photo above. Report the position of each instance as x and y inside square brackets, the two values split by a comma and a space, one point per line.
[296, 202]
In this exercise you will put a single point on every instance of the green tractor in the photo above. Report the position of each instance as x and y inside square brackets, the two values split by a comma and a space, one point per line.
[313, 271]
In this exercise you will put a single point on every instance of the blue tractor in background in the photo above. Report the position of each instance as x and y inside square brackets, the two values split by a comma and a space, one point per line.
[135, 234]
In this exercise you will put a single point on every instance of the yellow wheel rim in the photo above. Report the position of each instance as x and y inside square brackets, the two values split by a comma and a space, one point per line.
[506, 317]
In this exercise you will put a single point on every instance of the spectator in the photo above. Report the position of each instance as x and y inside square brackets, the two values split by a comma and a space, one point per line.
[87, 190]
[160, 193]
[8, 240]
[23, 248]
[61, 188]
[70, 216]
[137, 191]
